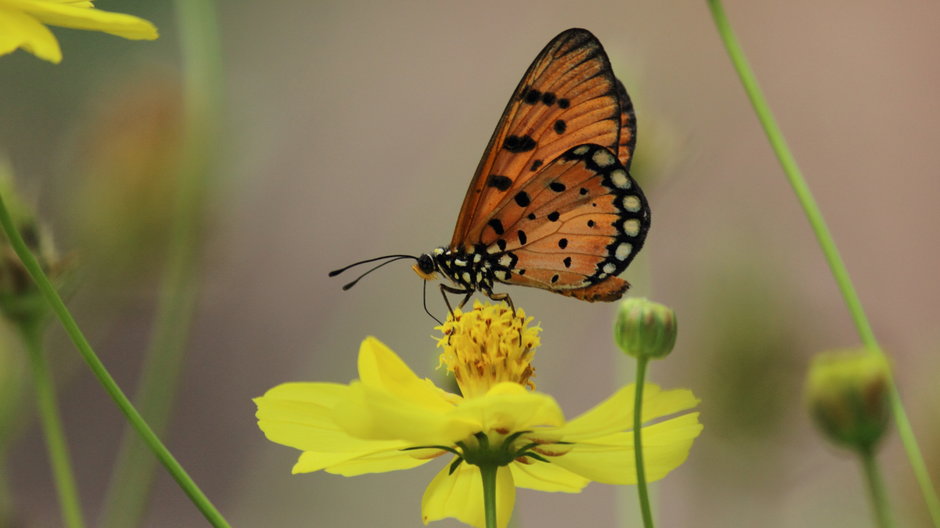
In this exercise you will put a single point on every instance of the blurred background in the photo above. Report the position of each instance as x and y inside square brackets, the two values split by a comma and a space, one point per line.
[351, 130]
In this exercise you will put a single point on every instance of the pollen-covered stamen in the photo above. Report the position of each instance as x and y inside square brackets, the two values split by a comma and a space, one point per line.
[487, 345]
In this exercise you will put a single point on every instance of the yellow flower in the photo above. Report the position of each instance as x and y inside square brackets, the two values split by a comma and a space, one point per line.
[390, 419]
[22, 25]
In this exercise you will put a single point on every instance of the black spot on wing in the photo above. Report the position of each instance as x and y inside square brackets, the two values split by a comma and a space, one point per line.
[562, 243]
[553, 216]
[522, 198]
[522, 237]
[502, 183]
[548, 98]
[556, 186]
[531, 96]
[496, 225]
[535, 165]
[560, 126]
[517, 144]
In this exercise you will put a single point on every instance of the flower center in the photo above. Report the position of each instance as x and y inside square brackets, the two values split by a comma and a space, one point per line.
[488, 345]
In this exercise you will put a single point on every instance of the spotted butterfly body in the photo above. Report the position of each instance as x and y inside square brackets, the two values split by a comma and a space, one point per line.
[552, 204]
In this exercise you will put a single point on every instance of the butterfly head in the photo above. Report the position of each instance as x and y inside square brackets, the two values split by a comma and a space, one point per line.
[425, 267]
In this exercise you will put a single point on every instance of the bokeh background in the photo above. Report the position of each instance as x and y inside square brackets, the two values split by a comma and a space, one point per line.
[351, 130]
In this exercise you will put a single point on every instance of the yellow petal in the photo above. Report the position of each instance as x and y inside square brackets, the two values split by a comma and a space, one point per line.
[299, 415]
[19, 30]
[549, 477]
[81, 17]
[352, 464]
[380, 368]
[510, 407]
[616, 412]
[460, 496]
[610, 459]
[374, 414]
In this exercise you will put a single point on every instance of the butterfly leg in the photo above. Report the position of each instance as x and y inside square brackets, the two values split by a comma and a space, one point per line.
[449, 289]
[501, 297]
[504, 297]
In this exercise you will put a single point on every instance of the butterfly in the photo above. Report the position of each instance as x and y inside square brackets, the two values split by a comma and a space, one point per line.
[552, 204]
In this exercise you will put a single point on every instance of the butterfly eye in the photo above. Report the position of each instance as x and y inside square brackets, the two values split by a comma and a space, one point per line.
[425, 267]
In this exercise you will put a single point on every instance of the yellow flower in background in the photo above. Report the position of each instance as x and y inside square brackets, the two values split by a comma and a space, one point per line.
[390, 419]
[23, 25]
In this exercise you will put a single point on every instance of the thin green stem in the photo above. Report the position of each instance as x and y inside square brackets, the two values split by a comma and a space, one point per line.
[128, 492]
[52, 429]
[104, 377]
[488, 472]
[827, 244]
[642, 490]
[879, 500]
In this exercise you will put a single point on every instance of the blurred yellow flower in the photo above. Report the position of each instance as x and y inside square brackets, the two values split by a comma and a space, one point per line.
[22, 25]
[390, 419]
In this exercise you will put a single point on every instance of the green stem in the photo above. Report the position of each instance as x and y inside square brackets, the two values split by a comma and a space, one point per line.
[51, 421]
[641, 363]
[879, 501]
[826, 242]
[488, 472]
[104, 377]
[128, 492]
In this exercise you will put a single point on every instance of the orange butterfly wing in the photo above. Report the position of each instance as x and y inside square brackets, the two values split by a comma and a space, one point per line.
[572, 228]
[568, 97]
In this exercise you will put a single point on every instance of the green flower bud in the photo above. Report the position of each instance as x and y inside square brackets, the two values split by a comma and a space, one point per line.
[645, 329]
[847, 392]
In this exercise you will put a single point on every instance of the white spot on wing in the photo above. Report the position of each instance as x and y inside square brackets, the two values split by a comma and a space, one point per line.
[632, 203]
[476, 258]
[631, 227]
[619, 178]
[466, 277]
[500, 274]
[580, 151]
[603, 158]
[623, 250]
[610, 267]
[505, 261]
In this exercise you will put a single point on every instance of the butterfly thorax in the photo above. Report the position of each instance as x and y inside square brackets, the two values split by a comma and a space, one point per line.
[470, 270]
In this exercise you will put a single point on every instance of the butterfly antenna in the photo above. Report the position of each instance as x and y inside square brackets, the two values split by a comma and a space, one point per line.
[392, 258]
[354, 264]
[424, 299]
